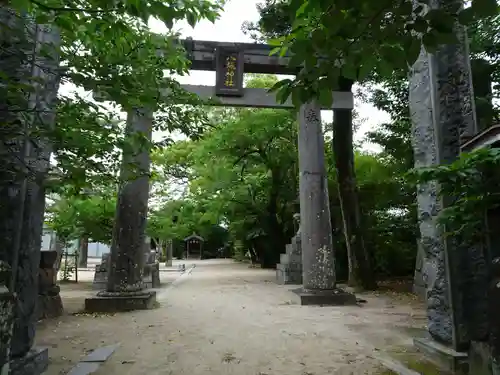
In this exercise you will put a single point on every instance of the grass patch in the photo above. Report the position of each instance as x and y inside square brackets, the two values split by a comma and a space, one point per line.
[386, 372]
[423, 367]
[417, 362]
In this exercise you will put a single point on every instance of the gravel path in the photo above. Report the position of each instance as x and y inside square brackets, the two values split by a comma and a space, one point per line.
[226, 318]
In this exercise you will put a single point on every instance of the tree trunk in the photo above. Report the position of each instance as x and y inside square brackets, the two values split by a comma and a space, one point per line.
[83, 252]
[276, 235]
[360, 268]
[24, 159]
[127, 248]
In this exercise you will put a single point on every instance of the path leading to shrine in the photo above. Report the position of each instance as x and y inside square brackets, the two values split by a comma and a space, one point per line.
[227, 318]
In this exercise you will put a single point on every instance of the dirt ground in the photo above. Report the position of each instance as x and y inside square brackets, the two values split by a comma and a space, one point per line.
[227, 318]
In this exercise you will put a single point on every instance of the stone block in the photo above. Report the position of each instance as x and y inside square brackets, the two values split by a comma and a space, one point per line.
[290, 258]
[49, 306]
[100, 279]
[442, 356]
[285, 277]
[48, 259]
[152, 275]
[7, 303]
[35, 362]
[291, 267]
[294, 278]
[100, 354]
[150, 257]
[120, 303]
[297, 247]
[334, 297]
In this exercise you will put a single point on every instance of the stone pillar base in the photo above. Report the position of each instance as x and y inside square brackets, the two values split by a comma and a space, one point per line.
[333, 297]
[287, 274]
[49, 306]
[152, 275]
[120, 302]
[289, 269]
[442, 356]
[35, 362]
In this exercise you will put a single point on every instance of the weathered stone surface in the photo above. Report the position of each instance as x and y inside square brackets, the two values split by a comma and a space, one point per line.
[290, 258]
[332, 297]
[90, 364]
[494, 315]
[101, 273]
[7, 303]
[48, 259]
[121, 302]
[442, 110]
[289, 267]
[49, 306]
[419, 284]
[150, 257]
[261, 98]
[151, 272]
[152, 275]
[285, 277]
[127, 248]
[318, 261]
[34, 362]
[289, 270]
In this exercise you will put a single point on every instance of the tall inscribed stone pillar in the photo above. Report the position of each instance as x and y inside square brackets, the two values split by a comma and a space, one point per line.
[30, 56]
[443, 115]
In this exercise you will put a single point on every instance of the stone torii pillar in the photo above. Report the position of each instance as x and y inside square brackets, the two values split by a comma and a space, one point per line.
[318, 256]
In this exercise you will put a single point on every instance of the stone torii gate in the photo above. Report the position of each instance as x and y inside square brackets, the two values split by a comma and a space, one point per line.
[230, 61]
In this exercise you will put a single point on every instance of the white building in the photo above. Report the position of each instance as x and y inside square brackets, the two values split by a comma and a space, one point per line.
[96, 249]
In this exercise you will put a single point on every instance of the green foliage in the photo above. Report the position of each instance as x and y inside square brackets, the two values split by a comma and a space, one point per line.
[389, 215]
[242, 173]
[470, 185]
[85, 142]
[68, 266]
[244, 170]
[275, 21]
[355, 40]
[178, 219]
[107, 48]
[92, 216]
